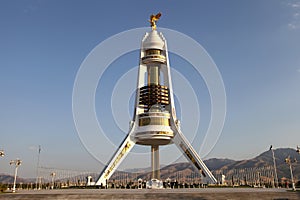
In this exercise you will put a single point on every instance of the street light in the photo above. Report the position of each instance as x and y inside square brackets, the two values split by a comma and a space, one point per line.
[17, 163]
[274, 162]
[2, 154]
[289, 162]
[52, 175]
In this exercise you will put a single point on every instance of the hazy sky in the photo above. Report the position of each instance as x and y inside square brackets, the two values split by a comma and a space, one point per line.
[255, 45]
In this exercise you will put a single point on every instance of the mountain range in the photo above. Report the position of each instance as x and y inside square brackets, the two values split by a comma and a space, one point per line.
[265, 159]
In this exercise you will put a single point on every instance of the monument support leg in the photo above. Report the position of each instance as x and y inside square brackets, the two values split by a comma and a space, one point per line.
[155, 162]
[116, 160]
[192, 156]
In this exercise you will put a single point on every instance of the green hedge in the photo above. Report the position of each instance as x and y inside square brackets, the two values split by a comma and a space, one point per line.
[2, 187]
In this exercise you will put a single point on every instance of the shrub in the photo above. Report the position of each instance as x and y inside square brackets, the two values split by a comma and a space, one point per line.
[2, 187]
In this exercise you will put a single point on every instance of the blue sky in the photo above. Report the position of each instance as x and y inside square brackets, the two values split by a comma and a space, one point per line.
[255, 45]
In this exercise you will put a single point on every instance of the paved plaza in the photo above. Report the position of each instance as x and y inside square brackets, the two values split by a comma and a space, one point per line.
[203, 193]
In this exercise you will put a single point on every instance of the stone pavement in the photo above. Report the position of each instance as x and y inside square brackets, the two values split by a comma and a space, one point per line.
[196, 193]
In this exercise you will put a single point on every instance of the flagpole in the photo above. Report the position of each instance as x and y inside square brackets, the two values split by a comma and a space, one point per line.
[275, 170]
[37, 170]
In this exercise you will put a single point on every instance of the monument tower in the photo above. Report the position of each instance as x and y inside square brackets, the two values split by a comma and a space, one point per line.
[154, 122]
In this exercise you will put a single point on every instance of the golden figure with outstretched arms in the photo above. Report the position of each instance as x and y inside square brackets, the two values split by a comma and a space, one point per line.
[153, 19]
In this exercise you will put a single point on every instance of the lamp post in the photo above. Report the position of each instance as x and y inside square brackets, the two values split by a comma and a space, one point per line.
[2, 154]
[17, 163]
[52, 175]
[37, 183]
[289, 162]
[274, 163]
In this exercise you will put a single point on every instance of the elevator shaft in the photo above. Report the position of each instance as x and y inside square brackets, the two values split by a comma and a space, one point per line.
[155, 162]
[153, 75]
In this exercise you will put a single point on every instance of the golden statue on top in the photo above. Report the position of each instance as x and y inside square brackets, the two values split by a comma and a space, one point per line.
[153, 19]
